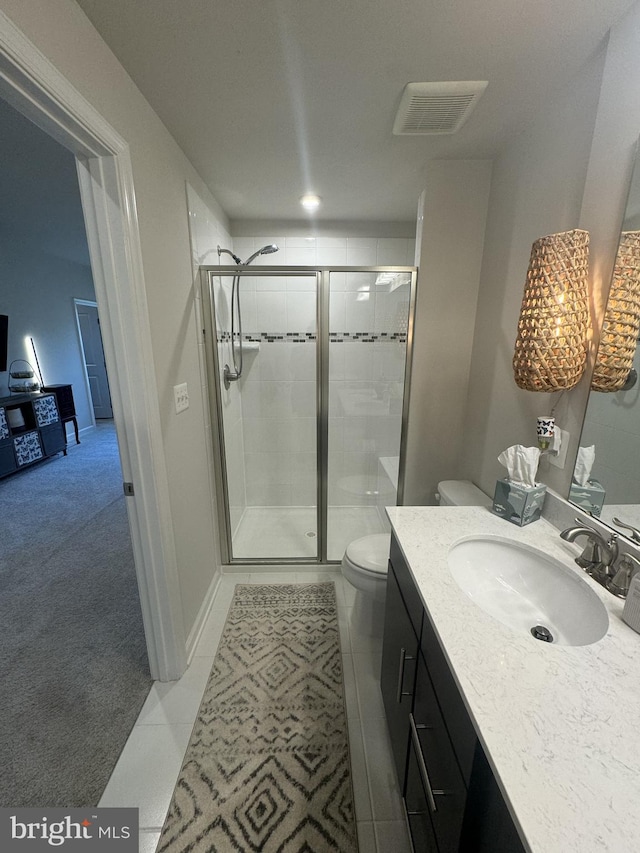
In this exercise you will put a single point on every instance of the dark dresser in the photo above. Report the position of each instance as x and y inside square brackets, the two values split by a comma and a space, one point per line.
[66, 404]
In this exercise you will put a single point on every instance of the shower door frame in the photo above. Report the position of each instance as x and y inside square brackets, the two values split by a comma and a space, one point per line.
[322, 276]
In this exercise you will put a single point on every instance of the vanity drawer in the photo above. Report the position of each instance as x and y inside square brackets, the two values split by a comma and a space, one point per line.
[459, 726]
[407, 586]
[444, 787]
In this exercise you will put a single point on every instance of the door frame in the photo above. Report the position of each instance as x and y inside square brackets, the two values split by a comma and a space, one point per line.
[33, 86]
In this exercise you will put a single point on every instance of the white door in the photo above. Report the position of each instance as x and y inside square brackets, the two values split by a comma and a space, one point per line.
[91, 338]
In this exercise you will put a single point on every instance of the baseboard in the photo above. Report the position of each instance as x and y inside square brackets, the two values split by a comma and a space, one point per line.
[201, 618]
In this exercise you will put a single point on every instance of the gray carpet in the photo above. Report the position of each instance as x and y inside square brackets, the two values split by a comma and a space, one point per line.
[267, 767]
[73, 662]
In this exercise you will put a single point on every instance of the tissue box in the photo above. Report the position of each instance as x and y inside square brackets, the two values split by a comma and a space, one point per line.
[590, 497]
[518, 504]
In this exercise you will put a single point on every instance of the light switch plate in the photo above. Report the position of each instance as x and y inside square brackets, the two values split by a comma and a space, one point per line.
[181, 397]
[559, 459]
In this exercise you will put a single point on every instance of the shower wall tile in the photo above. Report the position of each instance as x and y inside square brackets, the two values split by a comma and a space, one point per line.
[271, 310]
[393, 251]
[270, 283]
[331, 256]
[362, 252]
[270, 435]
[300, 242]
[281, 360]
[304, 494]
[301, 283]
[360, 312]
[270, 494]
[301, 312]
[265, 468]
[331, 242]
[248, 308]
[358, 363]
[338, 312]
[338, 282]
[300, 257]
[278, 391]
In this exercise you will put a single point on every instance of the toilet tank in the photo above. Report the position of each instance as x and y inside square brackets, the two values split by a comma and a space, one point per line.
[461, 493]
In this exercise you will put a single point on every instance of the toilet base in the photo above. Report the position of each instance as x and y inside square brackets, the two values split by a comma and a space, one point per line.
[367, 614]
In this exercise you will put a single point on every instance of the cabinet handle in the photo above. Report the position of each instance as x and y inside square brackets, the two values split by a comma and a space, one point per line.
[399, 693]
[422, 767]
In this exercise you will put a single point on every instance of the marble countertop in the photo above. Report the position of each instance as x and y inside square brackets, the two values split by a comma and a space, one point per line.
[560, 725]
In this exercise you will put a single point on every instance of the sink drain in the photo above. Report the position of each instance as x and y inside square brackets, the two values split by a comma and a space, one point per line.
[311, 534]
[542, 633]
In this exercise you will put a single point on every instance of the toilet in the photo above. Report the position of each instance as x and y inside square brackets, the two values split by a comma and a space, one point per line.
[365, 560]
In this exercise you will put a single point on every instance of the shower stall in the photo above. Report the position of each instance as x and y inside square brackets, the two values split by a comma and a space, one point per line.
[308, 370]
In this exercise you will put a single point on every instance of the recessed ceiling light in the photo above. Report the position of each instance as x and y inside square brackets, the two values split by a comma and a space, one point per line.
[310, 202]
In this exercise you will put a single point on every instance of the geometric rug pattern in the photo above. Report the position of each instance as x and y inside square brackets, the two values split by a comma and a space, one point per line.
[267, 767]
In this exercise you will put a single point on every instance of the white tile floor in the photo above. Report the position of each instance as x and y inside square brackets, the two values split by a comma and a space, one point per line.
[147, 770]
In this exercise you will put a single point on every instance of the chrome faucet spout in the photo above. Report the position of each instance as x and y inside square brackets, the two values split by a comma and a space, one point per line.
[599, 554]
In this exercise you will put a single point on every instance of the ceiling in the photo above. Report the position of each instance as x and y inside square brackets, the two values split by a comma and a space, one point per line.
[270, 99]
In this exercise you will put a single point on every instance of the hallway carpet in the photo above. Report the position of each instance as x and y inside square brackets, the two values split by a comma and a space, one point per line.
[73, 662]
[267, 767]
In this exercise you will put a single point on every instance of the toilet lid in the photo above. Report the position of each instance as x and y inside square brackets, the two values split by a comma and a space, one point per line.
[370, 552]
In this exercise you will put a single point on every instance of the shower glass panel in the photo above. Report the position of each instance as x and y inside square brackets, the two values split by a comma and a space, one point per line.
[269, 415]
[308, 437]
[368, 326]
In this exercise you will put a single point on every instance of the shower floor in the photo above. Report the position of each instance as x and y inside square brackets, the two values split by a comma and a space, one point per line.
[290, 531]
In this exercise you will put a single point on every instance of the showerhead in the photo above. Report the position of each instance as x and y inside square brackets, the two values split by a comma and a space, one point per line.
[265, 250]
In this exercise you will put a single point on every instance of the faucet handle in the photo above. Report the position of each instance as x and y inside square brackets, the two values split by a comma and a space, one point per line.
[619, 584]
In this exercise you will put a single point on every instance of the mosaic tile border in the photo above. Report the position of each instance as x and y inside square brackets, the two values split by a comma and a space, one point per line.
[308, 337]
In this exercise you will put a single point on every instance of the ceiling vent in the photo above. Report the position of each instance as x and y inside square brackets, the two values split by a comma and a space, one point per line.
[430, 108]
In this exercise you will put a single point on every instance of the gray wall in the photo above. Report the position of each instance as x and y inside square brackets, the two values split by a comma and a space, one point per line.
[37, 295]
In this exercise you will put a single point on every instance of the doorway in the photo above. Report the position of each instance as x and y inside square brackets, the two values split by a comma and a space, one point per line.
[94, 361]
[38, 91]
[311, 444]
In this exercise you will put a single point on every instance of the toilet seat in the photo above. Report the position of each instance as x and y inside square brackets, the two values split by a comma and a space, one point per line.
[370, 554]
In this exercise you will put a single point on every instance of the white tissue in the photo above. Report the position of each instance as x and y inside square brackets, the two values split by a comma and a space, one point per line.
[584, 464]
[521, 464]
[556, 441]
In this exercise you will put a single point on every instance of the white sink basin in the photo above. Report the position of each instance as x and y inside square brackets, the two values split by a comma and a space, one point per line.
[523, 588]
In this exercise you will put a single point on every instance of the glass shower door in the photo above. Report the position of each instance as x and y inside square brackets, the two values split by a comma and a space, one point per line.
[269, 415]
[368, 330]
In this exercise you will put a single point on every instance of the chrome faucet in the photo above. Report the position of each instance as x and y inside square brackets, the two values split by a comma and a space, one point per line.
[619, 585]
[599, 554]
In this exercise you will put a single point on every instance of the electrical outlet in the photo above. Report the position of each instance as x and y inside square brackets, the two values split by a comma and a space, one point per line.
[558, 459]
[181, 397]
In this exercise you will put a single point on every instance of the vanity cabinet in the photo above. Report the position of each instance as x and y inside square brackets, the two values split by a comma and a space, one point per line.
[452, 801]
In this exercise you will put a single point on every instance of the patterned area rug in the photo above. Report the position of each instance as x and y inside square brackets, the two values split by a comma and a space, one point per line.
[267, 766]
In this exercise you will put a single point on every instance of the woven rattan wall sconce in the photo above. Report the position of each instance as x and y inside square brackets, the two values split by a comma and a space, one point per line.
[551, 347]
[621, 324]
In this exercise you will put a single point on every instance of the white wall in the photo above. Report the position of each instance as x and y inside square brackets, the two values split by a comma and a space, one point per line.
[37, 295]
[65, 36]
[536, 189]
[451, 227]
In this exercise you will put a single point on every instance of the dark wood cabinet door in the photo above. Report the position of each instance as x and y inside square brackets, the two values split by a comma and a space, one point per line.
[441, 777]
[398, 675]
